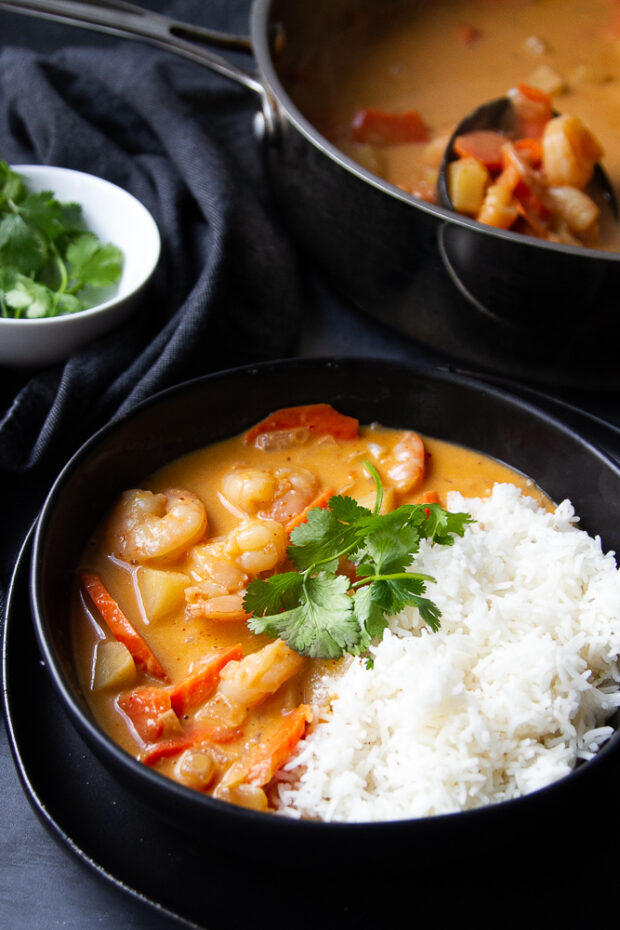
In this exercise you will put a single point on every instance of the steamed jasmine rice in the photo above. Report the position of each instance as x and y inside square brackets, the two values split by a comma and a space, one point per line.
[514, 688]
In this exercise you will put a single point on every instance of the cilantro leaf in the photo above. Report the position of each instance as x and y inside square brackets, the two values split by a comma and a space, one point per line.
[69, 303]
[21, 246]
[29, 300]
[429, 611]
[347, 510]
[384, 551]
[442, 526]
[12, 187]
[93, 263]
[43, 212]
[49, 264]
[392, 594]
[322, 626]
[321, 539]
[370, 616]
[322, 613]
[269, 595]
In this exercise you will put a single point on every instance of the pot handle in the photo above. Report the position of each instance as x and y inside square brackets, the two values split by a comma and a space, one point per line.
[129, 21]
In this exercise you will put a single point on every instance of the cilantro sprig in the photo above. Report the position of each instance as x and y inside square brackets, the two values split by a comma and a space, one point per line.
[317, 609]
[50, 264]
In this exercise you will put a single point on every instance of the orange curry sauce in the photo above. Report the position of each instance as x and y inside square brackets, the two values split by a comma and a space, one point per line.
[151, 592]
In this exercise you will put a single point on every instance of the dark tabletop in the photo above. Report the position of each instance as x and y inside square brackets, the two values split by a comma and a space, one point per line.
[43, 884]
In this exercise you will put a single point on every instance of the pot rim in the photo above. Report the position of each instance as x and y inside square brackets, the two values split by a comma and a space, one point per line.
[259, 30]
[104, 746]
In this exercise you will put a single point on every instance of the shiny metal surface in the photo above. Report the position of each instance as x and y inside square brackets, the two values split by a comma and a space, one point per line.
[496, 300]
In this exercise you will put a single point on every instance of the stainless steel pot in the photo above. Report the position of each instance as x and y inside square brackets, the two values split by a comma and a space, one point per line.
[497, 300]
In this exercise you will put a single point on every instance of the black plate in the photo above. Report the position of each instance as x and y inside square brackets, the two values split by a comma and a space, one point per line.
[125, 843]
[154, 864]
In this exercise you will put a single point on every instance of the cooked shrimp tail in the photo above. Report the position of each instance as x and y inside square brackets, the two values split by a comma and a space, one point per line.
[145, 526]
[408, 464]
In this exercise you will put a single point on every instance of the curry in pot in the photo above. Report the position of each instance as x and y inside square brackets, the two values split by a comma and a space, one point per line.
[391, 82]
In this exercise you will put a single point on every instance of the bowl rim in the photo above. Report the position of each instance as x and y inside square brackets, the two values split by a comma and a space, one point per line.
[117, 300]
[104, 746]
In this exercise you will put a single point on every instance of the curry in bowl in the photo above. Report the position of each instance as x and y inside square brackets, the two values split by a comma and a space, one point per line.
[329, 622]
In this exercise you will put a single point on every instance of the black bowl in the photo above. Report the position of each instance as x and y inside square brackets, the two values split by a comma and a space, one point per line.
[209, 409]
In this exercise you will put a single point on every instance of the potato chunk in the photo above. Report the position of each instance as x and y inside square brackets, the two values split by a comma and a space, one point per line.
[161, 591]
[467, 182]
[547, 80]
[114, 666]
[387, 504]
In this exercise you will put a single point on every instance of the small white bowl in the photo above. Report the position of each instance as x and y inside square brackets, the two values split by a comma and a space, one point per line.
[115, 216]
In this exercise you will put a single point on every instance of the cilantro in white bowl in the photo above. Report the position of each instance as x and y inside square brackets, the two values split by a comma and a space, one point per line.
[75, 252]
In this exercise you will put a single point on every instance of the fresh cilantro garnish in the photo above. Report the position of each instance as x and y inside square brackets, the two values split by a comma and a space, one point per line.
[49, 263]
[318, 610]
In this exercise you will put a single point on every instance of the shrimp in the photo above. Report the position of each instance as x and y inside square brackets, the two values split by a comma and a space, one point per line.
[223, 568]
[221, 582]
[296, 488]
[257, 546]
[562, 211]
[499, 207]
[575, 208]
[272, 495]
[146, 526]
[408, 462]
[212, 566]
[226, 607]
[246, 683]
[254, 678]
[570, 152]
[249, 489]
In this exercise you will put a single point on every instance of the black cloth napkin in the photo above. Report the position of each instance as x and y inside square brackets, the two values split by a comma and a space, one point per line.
[228, 289]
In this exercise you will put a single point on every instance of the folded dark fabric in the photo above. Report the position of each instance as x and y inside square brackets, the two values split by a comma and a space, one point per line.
[227, 290]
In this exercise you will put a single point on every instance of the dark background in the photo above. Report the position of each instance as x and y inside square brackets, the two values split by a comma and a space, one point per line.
[231, 290]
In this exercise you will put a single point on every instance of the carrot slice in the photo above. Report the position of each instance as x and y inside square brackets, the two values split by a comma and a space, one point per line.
[146, 708]
[318, 418]
[614, 24]
[271, 754]
[429, 497]
[532, 128]
[321, 500]
[166, 748]
[172, 747]
[535, 94]
[467, 34]
[535, 109]
[195, 688]
[532, 148]
[484, 145]
[379, 127]
[120, 627]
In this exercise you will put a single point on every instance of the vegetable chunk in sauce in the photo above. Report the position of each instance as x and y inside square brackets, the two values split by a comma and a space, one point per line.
[162, 633]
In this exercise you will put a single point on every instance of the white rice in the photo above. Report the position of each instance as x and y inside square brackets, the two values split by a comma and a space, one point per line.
[513, 689]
